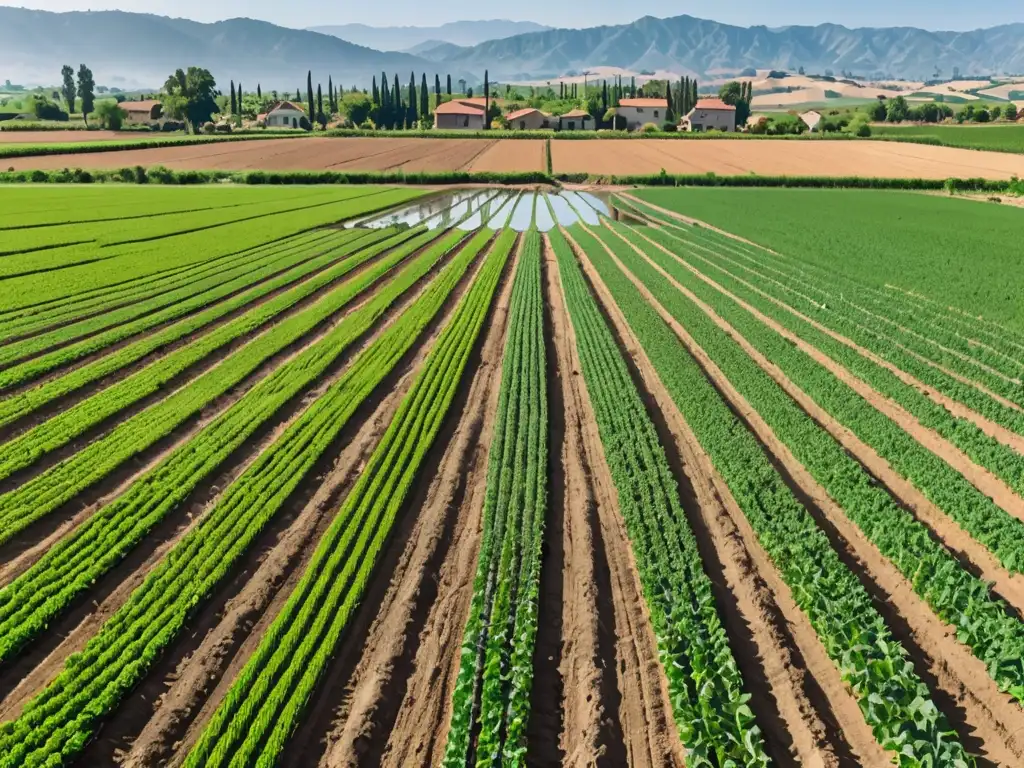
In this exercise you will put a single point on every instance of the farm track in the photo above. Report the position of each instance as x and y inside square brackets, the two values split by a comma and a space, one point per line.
[162, 721]
[988, 723]
[34, 668]
[822, 718]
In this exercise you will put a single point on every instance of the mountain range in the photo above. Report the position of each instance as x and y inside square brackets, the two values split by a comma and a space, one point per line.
[141, 50]
[459, 33]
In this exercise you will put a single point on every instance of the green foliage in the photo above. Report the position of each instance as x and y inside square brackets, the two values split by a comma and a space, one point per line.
[999, 138]
[68, 90]
[967, 265]
[491, 702]
[190, 96]
[110, 115]
[86, 91]
[270, 694]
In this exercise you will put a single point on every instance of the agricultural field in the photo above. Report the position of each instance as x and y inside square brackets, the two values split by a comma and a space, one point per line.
[768, 157]
[313, 153]
[999, 138]
[375, 476]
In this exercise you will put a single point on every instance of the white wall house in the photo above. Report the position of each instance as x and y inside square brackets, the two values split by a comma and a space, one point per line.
[285, 114]
[639, 112]
[710, 115]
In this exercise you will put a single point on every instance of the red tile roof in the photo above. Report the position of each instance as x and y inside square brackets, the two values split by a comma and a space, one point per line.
[652, 103]
[459, 108]
[524, 113]
[578, 113]
[714, 104]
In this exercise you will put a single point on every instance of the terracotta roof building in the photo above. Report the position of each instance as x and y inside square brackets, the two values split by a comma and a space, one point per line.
[461, 114]
[577, 120]
[710, 115]
[638, 112]
[142, 111]
[528, 119]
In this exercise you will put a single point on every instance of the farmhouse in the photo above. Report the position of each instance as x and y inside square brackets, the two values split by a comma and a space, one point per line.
[139, 112]
[460, 115]
[285, 114]
[577, 120]
[710, 115]
[638, 112]
[528, 120]
[811, 120]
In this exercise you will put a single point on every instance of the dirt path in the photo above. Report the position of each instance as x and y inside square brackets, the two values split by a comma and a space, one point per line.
[575, 714]
[982, 479]
[987, 721]
[68, 634]
[774, 642]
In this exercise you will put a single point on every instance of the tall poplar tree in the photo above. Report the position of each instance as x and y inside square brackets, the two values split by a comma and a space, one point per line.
[487, 101]
[86, 91]
[375, 94]
[68, 87]
[234, 104]
[410, 109]
[320, 116]
[424, 98]
[309, 97]
[331, 104]
[437, 89]
[259, 93]
[449, 85]
[398, 109]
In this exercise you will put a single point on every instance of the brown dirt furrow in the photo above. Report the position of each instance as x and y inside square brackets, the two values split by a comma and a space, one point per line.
[37, 665]
[22, 551]
[412, 636]
[982, 479]
[986, 720]
[797, 687]
[992, 429]
[167, 711]
[575, 712]
[977, 558]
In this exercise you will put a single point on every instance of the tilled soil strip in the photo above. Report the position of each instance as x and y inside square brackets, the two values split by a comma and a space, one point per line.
[986, 719]
[982, 479]
[821, 715]
[401, 668]
[69, 634]
[182, 708]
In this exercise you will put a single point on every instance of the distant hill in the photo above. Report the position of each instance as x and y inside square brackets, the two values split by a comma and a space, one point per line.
[687, 45]
[435, 50]
[461, 33]
[132, 50]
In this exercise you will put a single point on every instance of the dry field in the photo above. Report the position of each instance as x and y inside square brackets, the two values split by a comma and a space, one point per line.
[778, 158]
[315, 154]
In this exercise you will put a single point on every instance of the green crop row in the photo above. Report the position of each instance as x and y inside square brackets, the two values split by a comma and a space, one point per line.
[715, 723]
[306, 277]
[23, 322]
[51, 277]
[998, 530]
[58, 485]
[55, 725]
[269, 697]
[895, 702]
[29, 446]
[491, 698]
[957, 596]
[902, 315]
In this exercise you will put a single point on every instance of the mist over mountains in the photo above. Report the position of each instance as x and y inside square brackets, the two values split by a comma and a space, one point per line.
[140, 50]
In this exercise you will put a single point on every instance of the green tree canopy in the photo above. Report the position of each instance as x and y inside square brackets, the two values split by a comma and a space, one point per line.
[86, 91]
[191, 96]
[67, 88]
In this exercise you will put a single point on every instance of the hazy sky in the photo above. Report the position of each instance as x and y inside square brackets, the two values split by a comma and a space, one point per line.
[935, 14]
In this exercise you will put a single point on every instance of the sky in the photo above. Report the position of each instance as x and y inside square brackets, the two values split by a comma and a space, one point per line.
[934, 14]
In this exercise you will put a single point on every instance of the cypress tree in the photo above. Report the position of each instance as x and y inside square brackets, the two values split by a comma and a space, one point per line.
[238, 97]
[424, 97]
[449, 85]
[411, 116]
[693, 91]
[375, 98]
[234, 104]
[437, 89]
[309, 97]
[669, 116]
[397, 108]
[604, 99]
[487, 101]
[320, 116]
[259, 93]
[330, 95]
[632, 88]
[385, 102]
[298, 96]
